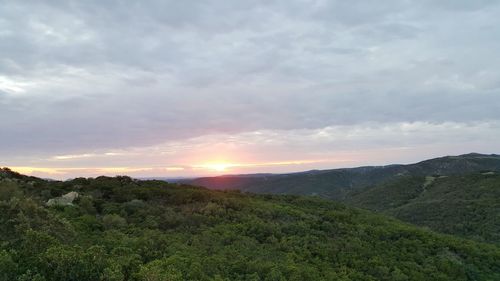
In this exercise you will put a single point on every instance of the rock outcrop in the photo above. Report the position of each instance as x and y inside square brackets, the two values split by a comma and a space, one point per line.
[65, 200]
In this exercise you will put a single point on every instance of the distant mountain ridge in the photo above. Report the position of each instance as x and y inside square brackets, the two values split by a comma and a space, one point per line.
[337, 183]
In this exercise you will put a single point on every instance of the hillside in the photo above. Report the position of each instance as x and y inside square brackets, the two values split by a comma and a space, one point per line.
[337, 183]
[467, 205]
[124, 229]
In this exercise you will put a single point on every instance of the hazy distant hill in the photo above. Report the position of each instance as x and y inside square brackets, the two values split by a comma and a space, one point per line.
[337, 183]
[124, 229]
[466, 205]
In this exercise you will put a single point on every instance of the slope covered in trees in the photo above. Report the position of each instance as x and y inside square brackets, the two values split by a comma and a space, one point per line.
[337, 183]
[467, 205]
[454, 194]
[124, 229]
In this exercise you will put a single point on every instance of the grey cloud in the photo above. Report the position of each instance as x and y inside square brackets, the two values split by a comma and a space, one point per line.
[98, 75]
[460, 5]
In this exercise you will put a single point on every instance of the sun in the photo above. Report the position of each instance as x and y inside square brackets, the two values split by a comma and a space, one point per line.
[215, 166]
[219, 167]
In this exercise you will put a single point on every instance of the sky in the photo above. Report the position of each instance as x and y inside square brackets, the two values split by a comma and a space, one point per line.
[190, 88]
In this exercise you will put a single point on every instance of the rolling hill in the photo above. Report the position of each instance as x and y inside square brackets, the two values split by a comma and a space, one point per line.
[466, 205]
[119, 228]
[337, 183]
[457, 195]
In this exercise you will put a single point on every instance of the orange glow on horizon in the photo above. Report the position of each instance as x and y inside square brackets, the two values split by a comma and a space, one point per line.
[184, 169]
[219, 167]
[31, 170]
[216, 166]
[226, 166]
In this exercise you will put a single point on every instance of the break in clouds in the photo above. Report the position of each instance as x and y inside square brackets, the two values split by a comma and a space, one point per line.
[109, 84]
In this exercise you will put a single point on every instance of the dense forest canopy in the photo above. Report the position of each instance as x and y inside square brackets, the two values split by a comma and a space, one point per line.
[465, 205]
[124, 229]
[457, 195]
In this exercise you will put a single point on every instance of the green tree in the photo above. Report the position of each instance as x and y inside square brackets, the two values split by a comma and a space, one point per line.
[113, 221]
[159, 270]
[87, 205]
[9, 190]
[8, 268]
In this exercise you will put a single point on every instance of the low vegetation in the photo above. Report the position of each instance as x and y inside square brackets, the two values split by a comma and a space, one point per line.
[123, 229]
[467, 205]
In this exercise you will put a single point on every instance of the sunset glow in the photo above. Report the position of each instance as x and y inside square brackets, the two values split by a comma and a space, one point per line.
[249, 140]
[219, 167]
[273, 88]
[208, 168]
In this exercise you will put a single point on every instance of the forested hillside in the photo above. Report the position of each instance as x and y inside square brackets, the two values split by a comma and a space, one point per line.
[467, 205]
[457, 195]
[337, 183]
[124, 229]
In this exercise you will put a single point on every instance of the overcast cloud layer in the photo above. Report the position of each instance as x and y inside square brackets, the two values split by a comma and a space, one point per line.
[291, 84]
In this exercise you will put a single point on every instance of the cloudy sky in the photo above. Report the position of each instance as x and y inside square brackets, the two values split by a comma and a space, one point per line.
[183, 88]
